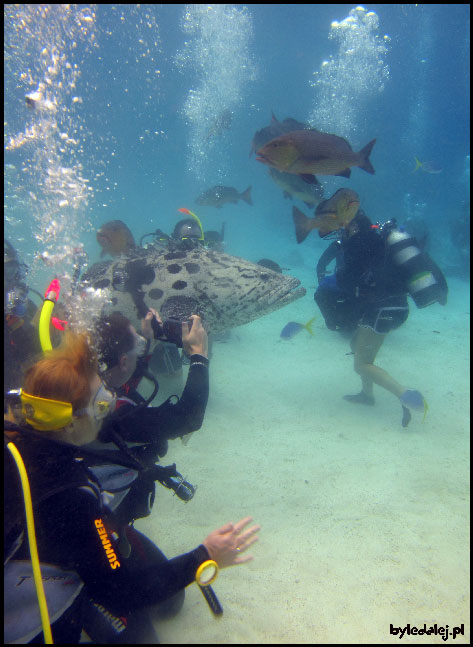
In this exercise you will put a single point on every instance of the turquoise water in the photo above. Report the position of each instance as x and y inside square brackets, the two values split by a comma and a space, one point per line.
[136, 91]
[127, 98]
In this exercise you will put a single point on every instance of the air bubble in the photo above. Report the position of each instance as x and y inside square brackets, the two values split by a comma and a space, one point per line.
[217, 46]
[357, 73]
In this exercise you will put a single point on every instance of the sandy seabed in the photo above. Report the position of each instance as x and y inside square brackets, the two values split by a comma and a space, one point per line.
[365, 524]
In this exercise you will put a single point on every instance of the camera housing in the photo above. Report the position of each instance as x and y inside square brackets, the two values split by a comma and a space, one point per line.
[170, 330]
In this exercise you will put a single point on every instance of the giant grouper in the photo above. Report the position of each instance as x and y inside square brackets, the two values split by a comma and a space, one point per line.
[226, 291]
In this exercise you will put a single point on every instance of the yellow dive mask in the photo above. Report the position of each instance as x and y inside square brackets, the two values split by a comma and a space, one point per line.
[43, 414]
[50, 415]
[104, 402]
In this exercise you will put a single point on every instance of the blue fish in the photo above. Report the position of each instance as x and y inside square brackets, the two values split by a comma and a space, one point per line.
[292, 328]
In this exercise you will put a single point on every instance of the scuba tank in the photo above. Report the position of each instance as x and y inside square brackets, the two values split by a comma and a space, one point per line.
[424, 280]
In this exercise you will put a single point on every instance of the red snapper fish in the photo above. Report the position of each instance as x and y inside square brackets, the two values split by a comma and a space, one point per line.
[115, 238]
[332, 214]
[310, 152]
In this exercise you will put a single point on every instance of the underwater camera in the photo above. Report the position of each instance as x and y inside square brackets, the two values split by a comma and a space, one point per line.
[170, 330]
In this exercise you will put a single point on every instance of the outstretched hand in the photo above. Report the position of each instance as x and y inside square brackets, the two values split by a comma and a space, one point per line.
[226, 544]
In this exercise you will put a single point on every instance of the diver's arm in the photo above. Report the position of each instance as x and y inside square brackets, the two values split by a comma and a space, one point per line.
[175, 420]
[118, 583]
[327, 257]
[170, 420]
[190, 410]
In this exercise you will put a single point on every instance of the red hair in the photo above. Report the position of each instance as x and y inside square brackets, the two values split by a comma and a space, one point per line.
[64, 373]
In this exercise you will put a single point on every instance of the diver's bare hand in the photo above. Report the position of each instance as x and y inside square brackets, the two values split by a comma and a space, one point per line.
[227, 544]
[194, 340]
[146, 328]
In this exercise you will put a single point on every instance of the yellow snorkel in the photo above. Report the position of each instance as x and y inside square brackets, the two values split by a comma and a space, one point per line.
[43, 608]
[44, 414]
[189, 213]
[50, 298]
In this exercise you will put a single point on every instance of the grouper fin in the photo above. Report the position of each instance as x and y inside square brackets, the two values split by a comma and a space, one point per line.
[308, 326]
[364, 154]
[246, 196]
[345, 173]
[301, 223]
[310, 179]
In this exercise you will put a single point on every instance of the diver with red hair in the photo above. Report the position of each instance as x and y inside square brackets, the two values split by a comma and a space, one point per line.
[107, 574]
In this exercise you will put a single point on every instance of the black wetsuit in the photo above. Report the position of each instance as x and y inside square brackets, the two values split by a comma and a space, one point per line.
[366, 270]
[121, 569]
[331, 253]
[156, 425]
[370, 290]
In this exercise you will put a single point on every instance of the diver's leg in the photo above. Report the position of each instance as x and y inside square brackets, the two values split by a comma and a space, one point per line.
[362, 352]
[105, 628]
[366, 346]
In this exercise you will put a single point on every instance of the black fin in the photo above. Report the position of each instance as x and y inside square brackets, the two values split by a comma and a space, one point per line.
[300, 223]
[364, 154]
[246, 196]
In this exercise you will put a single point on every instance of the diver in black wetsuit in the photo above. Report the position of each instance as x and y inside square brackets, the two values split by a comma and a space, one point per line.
[123, 355]
[77, 497]
[376, 268]
[21, 341]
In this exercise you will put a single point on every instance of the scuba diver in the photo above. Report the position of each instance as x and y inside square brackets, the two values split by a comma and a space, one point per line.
[187, 233]
[377, 266]
[123, 355]
[101, 574]
[187, 229]
[21, 343]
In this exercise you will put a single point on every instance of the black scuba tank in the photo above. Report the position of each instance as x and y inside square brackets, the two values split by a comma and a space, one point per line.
[422, 285]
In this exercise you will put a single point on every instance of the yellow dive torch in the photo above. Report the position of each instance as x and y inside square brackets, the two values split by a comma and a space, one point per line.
[206, 574]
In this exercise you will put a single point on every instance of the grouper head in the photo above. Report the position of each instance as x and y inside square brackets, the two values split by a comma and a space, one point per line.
[280, 153]
[226, 291]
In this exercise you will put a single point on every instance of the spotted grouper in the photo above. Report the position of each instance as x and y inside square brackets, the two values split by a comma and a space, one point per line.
[226, 291]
